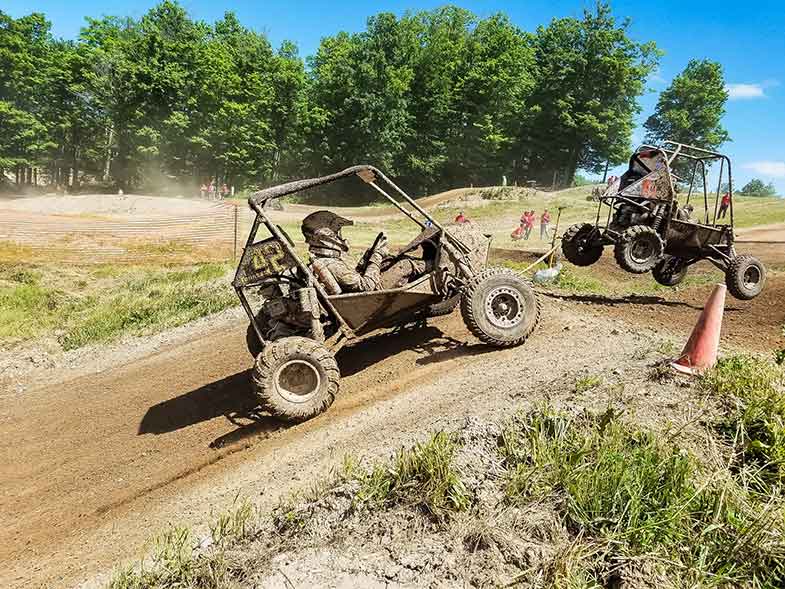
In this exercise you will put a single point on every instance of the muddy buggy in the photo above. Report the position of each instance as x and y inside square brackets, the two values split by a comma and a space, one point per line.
[296, 327]
[651, 231]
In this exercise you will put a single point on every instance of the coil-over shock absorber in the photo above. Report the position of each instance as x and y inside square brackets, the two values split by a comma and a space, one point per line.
[659, 216]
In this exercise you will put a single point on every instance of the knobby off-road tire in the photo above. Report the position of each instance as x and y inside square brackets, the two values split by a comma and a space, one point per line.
[499, 307]
[745, 277]
[295, 378]
[578, 247]
[638, 249]
[670, 271]
[443, 308]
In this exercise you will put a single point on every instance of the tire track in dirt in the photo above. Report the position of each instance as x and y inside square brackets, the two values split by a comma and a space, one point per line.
[79, 454]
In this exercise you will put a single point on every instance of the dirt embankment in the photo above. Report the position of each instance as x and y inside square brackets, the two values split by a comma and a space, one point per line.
[93, 466]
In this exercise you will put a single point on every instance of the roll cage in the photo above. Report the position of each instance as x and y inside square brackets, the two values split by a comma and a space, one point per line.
[275, 261]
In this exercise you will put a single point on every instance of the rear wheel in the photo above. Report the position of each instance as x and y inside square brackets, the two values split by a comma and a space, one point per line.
[638, 249]
[670, 271]
[295, 378]
[499, 307]
[580, 245]
[745, 277]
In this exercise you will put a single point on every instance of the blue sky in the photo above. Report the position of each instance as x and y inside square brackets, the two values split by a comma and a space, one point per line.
[747, 38]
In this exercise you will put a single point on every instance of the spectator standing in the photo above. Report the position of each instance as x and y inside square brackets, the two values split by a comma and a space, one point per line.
[528, 223]
[203, 190]
[724, 204]
[224, 191]
[545, 220]
[211, 190]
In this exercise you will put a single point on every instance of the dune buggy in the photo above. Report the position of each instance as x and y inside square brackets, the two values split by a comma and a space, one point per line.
[296, 327]
[650, 231]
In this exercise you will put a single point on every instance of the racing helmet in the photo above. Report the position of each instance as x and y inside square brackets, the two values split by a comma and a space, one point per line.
[322, 232]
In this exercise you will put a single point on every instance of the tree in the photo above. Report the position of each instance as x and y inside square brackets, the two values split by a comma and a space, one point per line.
[756, 187]
[589, 77]
[690, 110]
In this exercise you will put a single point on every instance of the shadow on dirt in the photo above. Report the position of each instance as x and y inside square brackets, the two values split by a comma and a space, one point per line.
[426, 340]
[612, 301]
[232, 397]
[229, 396]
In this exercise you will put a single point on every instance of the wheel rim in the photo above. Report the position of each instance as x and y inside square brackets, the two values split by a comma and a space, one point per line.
[504, 307]
[297, 381]
[642, 250]
[751, 277]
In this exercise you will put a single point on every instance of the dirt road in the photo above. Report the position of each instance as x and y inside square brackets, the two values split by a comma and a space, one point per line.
[91, 468]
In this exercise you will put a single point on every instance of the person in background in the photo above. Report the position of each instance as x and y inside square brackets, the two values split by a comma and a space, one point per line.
[724, 204]
[545, 220]
[461, 218]
[224, 191]
[211, 190]
[528, 223]
[203, 190]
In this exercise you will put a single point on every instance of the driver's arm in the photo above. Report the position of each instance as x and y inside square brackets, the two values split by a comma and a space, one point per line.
[350, 280]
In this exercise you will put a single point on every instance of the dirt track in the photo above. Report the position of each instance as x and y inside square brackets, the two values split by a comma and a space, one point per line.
[92, 467]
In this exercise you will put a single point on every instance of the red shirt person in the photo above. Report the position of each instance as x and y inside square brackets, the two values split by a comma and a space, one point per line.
[545, 219]
[724, 204]
[461, 218]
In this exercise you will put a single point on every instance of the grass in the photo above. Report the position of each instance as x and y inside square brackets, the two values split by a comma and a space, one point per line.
[422, 476]
[635, 497]
[85, 305]
[586, 383]
[753, 390]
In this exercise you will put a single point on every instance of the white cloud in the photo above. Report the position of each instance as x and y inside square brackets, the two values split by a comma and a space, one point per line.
[767, 169]
[745, 91]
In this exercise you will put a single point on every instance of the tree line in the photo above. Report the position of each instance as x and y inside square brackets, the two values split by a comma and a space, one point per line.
[437, 99]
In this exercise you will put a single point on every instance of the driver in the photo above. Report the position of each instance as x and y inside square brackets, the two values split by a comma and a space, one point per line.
[328, 249]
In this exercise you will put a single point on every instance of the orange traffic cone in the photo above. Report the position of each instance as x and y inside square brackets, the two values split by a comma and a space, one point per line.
[700, 353]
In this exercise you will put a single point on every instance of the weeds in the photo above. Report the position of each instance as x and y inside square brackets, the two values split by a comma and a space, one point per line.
[83, 306]
[422, 476]
[752, 389]
[636, 497]
[586, 383]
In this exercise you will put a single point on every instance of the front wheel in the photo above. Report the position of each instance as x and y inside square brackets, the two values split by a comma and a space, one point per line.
[500, 308]
[745, 277]
[580, 244]
[638, 249]
[670, 271]
[295, 378]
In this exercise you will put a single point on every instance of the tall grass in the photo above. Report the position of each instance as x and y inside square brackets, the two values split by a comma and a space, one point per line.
[753, 390]
[637, 497]
[422, 476]
[87, 305]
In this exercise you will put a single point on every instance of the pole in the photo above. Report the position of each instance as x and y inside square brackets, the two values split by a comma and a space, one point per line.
[553, 239]
[605, 175]
[234, 242]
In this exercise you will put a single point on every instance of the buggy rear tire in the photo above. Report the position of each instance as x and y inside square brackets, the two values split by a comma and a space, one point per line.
[670, 271]
[745, 277]
[499, 307]
[295, 378]
[578, 246]
[638, 249]
[444, 307]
